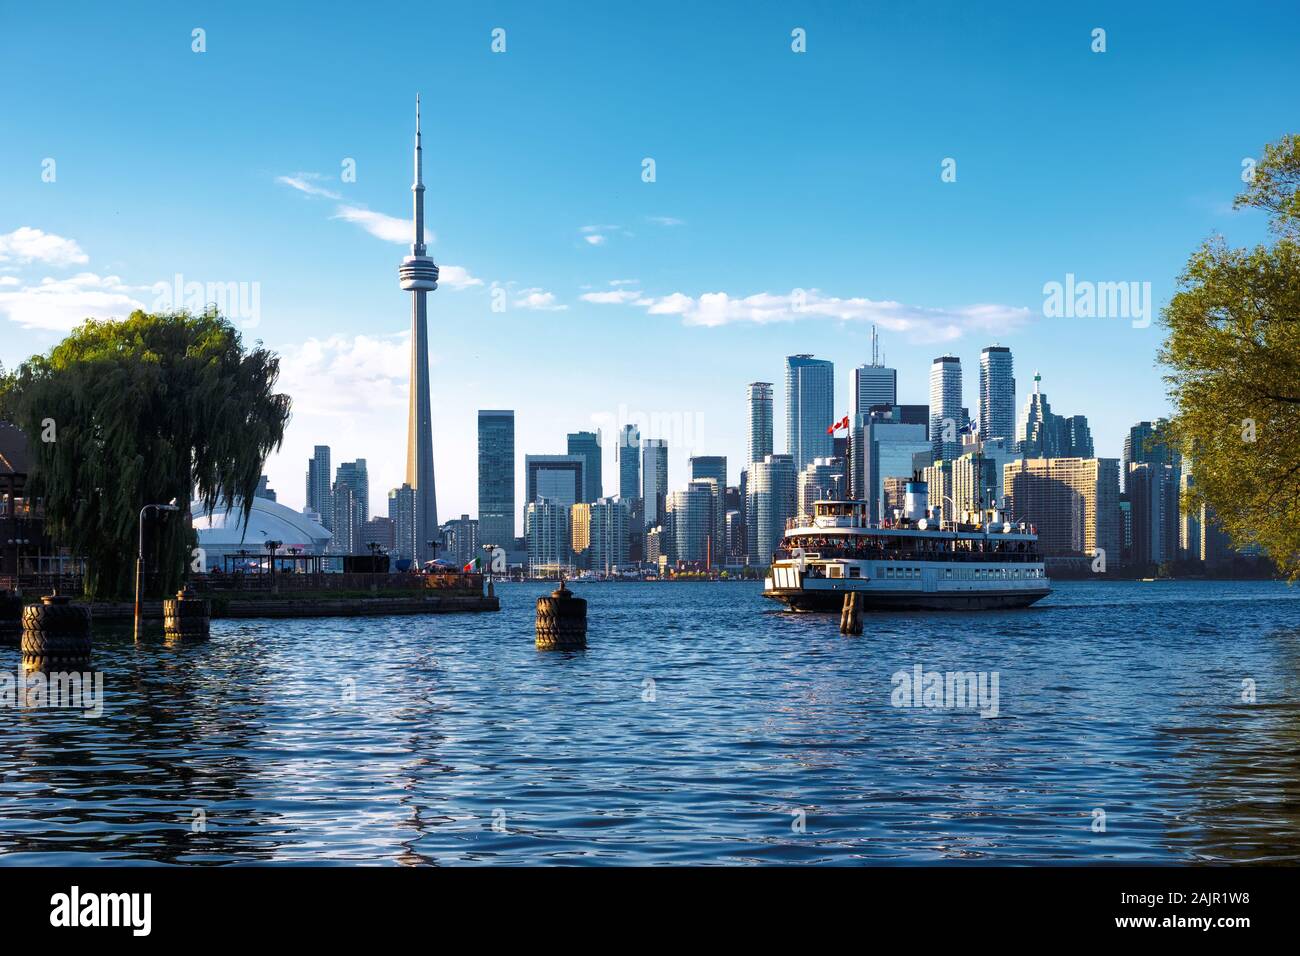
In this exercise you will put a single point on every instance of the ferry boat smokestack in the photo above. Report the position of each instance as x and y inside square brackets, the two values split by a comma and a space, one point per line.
[916, 501]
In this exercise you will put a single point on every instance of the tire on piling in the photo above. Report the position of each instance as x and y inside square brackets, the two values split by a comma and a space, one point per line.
[561, 620]
[186, 616]
[55, 631]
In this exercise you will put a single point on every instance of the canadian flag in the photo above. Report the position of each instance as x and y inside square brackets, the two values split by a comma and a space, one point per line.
[842, 423]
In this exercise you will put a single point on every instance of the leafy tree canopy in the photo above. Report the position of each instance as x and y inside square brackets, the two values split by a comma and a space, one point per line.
[1233, 353]
[123, 414]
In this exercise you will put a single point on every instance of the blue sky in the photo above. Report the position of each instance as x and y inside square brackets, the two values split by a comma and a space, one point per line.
[775, 171]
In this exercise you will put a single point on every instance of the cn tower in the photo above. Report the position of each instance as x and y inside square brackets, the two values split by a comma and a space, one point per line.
[419, 275]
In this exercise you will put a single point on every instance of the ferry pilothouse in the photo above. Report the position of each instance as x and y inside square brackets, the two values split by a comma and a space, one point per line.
[912, 562]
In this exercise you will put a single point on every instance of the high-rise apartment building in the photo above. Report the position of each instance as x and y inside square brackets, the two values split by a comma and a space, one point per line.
[1072, 502]
[759, 398]
[946, 412]
[319, 482]
[546, 530]
[401, 509]
[997, 393]
[809, 408]
[608, 536]
[821, 479]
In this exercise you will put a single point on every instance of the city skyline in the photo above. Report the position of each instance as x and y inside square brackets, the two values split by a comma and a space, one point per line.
[698, 283]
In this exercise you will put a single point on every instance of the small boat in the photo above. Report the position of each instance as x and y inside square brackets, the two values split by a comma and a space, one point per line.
[916, 561]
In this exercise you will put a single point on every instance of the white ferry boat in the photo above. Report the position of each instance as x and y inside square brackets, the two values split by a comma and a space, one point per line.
[913, 562]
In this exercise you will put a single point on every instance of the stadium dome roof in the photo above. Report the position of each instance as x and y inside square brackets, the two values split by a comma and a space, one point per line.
[223, 530]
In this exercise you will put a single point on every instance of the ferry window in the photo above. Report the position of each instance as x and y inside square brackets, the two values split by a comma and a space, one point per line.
[855, 572]
[947, 572]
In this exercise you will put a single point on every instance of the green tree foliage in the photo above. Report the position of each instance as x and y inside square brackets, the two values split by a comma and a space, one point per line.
[1233, 352]
[142, 411]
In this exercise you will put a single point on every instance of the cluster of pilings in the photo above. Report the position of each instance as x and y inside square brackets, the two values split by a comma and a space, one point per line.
[55, 633]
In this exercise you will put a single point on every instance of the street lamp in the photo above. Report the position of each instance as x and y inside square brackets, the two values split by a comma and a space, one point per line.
[139, 557]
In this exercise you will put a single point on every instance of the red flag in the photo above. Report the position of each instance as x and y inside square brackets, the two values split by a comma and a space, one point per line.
[842, 423]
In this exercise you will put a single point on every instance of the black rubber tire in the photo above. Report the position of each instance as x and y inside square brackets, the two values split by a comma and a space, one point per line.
[56, 618]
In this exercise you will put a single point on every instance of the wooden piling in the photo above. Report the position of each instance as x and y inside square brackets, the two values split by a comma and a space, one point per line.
[851, 614]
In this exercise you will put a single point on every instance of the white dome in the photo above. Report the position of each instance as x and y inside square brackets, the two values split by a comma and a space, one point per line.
[223, 532]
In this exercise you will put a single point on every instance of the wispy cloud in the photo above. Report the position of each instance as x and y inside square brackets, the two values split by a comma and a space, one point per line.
[666, 220]
[307, 183]
[596, 235]
[26, 244]
[921, 323]
[381, 226]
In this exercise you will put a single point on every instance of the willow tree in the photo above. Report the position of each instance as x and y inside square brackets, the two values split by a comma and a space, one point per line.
[1233, 350]
[143, 411]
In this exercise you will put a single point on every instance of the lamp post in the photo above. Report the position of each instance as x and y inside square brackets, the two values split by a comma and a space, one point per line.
[139, 559]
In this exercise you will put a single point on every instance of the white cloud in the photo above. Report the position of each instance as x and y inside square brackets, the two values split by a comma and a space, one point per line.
[596, 235]
[344, 374]
[667, 220]
[63, 304]
[539, 300]
[456, 277]
[611, 297]
[26, 244]
[923, 324]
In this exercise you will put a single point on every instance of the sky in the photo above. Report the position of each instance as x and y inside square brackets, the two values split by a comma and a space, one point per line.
[928, 167]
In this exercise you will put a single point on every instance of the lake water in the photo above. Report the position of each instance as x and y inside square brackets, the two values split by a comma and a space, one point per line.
[700, 726]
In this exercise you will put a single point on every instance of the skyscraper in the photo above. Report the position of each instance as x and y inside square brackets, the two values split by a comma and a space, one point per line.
[1040, 433]
[874, 384]
[945, 406]
[627, 455]
[587, 444]
[809, 408]
[557, 478]
[714, 468]
[418, 275]
[693, 520]
[760, 420]
[496, 477]
[1143, 444]
[319, 480]
[654, 479]
[997, 393]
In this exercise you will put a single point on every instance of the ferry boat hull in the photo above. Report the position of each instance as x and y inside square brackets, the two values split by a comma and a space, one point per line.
[825, 600]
